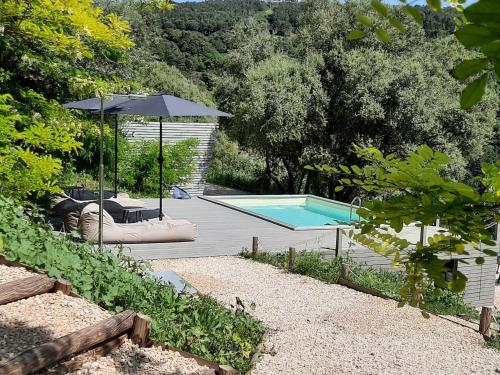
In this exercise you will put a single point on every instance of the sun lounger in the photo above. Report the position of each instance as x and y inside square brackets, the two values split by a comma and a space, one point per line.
[69, 209]
[166, 230]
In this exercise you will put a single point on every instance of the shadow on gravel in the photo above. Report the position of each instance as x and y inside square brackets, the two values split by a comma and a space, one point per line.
[18, 337]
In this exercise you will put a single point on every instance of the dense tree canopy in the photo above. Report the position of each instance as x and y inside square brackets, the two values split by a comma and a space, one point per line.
[390, 96]
[280, 114]
[44, 47]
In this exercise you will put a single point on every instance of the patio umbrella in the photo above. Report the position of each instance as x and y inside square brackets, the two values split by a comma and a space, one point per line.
[163, 105]
[93, 105]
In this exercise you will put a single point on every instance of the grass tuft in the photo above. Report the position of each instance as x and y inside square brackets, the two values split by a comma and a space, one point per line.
[388, 282]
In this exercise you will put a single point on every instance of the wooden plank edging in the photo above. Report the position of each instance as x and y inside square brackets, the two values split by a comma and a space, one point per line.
[100, 349]
[362, 289]
[47, 354]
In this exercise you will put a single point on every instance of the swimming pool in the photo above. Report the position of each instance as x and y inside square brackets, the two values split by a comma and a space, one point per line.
[297, 212]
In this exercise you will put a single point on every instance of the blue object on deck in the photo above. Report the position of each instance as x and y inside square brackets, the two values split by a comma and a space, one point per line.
[179, 193]
[173, 278]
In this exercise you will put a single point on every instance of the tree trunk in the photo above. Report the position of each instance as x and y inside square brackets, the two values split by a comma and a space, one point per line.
[269, 173]
[291, 178]
[330, 187]
[307, 186]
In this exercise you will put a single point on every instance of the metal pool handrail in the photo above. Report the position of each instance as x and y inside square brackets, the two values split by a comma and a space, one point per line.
[352, 204]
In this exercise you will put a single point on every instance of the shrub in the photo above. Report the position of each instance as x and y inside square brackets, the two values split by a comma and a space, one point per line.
[31, 144]
[139, 169]
[233, 168]
[117, 282]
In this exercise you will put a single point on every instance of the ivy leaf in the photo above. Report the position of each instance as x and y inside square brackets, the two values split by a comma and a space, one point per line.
[491, 49]
[479, 260]
[364, 20]
[484, 11]
[473, 93]
[397, 24]
[382, 35]
[468, 68]
[380, 8]
[338, 188]
[355, 35]
[490, 252]
[435, 5]
[457, 285]
[414, 13]
[474, 35]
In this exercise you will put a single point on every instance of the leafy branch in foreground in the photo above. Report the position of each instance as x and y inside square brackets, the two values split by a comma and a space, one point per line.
[414, 190]
[477, 27]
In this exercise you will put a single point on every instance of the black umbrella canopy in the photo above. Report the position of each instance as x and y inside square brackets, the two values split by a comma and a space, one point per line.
[163, 105]
[94, 104]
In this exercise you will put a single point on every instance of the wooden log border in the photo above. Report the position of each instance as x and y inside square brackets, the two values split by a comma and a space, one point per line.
[51, 352]
[16, 290]
[76, 364]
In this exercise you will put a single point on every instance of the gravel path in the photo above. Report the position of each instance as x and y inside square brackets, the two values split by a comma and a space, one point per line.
[13, 273]
[316, 328]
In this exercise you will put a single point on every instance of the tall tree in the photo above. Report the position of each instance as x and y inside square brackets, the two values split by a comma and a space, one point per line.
[279, 115]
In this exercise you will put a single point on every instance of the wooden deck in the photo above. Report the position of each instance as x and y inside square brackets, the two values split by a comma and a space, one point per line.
[223, 231]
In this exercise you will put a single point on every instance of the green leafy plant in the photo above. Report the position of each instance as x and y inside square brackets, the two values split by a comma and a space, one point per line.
[117, 282]
[28, 165]
[494, 342]
[234, 168]
[139, 171]
[415, 190]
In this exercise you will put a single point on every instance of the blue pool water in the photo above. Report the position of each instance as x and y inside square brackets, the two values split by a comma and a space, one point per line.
[308, 215]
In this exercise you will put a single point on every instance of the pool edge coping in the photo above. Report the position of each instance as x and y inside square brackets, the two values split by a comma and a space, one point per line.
[216, 200]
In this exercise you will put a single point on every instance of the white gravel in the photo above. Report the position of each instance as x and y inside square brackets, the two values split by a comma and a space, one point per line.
[130, 359]
[13, 273]
[316, 328]
[36, 320]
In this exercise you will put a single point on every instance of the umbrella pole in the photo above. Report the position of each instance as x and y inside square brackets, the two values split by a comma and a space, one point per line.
[116, 157]
[101, 174]
[160, 161]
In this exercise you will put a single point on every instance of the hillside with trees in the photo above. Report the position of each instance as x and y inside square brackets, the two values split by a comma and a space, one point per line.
[337, 92]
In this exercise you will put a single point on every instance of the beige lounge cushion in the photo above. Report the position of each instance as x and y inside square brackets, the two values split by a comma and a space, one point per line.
[166, 230]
